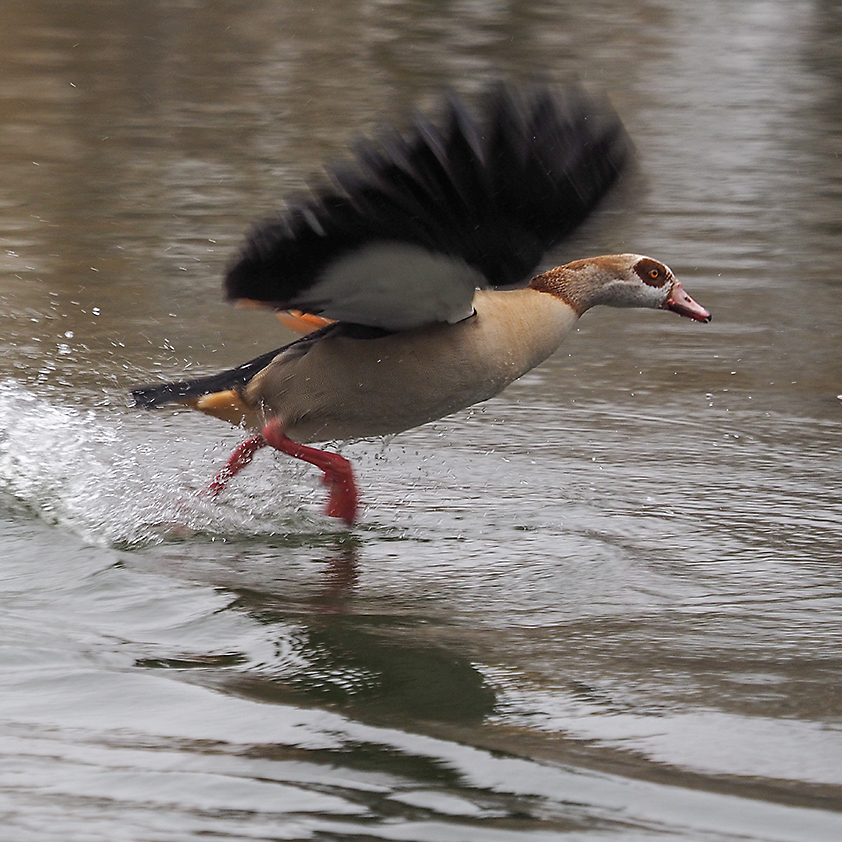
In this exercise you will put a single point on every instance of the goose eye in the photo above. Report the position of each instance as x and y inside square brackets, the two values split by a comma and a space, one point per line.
[651, 272]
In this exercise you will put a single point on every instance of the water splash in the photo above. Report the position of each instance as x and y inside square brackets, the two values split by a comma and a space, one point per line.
[80, 469]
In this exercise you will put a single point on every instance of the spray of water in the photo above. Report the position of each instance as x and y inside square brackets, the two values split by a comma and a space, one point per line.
[119, 484]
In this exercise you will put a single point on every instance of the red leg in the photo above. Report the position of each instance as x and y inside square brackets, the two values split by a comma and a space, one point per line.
[242, 455]
[338, 475]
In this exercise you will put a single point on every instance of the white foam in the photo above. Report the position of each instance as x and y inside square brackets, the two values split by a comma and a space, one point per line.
[114, 483]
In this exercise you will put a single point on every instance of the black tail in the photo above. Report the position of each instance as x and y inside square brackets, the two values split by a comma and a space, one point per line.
[160, 394]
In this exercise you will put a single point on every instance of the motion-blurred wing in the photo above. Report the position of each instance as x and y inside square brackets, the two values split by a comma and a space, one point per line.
[404, 235]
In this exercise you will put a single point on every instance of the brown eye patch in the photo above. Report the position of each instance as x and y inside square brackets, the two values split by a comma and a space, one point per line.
[651, 272]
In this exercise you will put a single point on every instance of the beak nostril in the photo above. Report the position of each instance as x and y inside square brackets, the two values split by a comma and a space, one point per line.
[681, 303]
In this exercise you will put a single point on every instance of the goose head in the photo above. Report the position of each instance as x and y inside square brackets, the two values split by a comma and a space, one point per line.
[620, 280]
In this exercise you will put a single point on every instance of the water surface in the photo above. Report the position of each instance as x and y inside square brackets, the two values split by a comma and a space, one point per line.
[603, 605]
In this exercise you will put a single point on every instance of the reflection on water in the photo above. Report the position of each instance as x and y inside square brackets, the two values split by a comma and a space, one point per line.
[606, 603]
[360, 671]
[327, 653]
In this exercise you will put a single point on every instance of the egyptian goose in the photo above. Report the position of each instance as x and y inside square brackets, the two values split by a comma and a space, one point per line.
[411, 270]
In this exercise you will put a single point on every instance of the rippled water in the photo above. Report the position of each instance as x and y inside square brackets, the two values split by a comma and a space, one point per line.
[603, 605]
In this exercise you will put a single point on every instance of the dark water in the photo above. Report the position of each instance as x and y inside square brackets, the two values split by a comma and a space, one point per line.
[605, 605]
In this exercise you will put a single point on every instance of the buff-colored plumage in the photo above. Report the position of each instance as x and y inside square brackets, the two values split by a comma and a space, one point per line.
[404, 272]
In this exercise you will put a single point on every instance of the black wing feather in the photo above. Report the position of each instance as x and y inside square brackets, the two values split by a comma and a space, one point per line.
[495, 192]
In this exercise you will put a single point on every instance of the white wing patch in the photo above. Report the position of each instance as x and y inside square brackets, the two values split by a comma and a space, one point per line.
[394, 286]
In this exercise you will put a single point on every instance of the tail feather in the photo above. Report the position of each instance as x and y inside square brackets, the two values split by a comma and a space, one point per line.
[185, 391]
[188, 391]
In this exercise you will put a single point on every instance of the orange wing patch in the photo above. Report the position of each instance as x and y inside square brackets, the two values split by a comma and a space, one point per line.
[301, 322]
[296, 320]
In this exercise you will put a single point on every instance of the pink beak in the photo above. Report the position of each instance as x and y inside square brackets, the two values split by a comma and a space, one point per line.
[681, 303]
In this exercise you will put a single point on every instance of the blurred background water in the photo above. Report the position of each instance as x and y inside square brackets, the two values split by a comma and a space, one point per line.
[603, 605]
